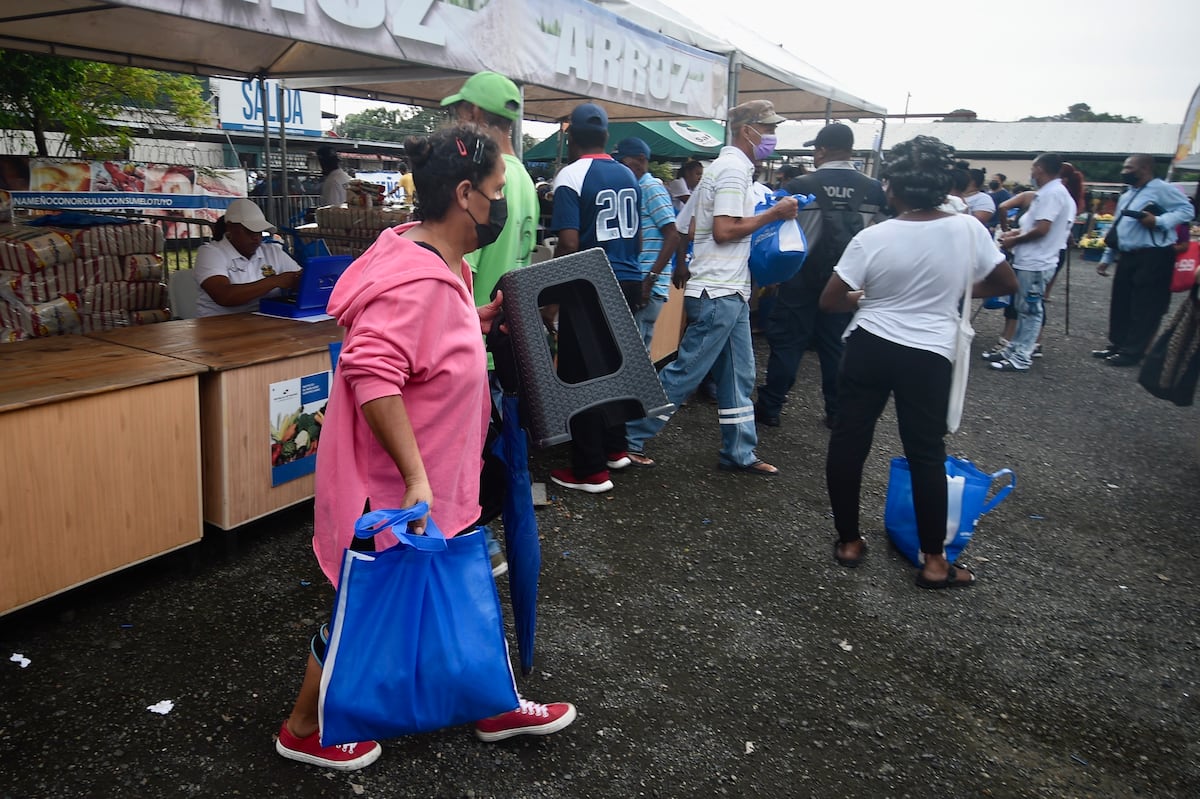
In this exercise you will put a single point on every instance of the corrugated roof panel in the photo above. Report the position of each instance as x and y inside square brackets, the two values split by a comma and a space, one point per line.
[994, 138]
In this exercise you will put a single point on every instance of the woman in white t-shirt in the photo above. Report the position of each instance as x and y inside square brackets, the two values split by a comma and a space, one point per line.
[979, 203]
[904, 279]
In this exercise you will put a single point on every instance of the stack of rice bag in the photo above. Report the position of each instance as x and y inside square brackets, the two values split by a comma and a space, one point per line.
[56, 280]
[350, 231]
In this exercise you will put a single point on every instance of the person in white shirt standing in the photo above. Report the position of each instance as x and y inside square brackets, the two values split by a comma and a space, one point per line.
[904, 280]
[1035, 246]
[333, 184]
[717, 293]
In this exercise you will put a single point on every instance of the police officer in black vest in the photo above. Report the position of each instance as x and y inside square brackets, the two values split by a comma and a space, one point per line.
[846, 202]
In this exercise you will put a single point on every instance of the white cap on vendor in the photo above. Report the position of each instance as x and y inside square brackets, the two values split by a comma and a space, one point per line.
[248, 215]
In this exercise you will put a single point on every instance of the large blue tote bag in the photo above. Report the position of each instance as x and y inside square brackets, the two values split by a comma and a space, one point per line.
[967, 489]
[417, 641]
[778, 249]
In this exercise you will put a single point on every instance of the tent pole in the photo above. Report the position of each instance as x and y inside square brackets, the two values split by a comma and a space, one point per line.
[878, 165]
[518, 135]
[282, 216]
[828, 110]
[262, 94]
[1067, 328]
[562, 144]
[735, 71]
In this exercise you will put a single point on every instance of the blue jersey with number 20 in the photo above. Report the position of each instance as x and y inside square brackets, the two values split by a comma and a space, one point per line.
[601, 199]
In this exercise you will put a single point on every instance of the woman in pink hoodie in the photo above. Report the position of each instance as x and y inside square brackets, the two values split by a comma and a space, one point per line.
[409, 404]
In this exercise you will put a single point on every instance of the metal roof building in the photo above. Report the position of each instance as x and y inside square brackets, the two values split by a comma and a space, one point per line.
[1006, 140]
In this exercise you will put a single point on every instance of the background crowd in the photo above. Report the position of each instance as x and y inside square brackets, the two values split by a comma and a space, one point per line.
[879, 299]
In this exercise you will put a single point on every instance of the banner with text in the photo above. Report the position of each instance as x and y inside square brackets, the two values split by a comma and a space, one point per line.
[240, 107]
[170, 190]
[569, 45]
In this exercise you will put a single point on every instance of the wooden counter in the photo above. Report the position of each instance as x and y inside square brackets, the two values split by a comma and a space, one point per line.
[101, 468]
[244, 354]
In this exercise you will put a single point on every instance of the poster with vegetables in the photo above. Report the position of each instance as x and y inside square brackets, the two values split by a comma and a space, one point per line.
[297, 411]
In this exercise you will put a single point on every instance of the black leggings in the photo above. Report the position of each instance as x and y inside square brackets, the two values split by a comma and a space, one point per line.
[874, 368]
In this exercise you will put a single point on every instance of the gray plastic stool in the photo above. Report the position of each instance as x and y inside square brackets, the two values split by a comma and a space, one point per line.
[617, 370]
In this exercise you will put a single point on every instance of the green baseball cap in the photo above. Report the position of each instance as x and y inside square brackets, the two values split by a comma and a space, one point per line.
[492, 92]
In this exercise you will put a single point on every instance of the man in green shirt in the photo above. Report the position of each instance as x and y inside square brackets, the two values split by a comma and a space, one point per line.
[493, 102]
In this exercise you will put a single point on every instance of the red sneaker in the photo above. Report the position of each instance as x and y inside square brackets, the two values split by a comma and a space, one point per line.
[596, 483]
[344, 757]
[618, 460]
[529, 719]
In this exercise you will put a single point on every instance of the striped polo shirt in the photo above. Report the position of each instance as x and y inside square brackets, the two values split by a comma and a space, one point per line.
[722, 269]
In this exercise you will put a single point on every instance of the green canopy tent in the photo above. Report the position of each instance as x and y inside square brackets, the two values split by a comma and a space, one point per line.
[674, 140]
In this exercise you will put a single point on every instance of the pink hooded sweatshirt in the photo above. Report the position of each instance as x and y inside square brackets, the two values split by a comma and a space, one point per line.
[411, 329]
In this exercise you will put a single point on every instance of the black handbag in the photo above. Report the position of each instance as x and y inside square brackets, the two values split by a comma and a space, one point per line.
[1171, 368]
[1110, 237]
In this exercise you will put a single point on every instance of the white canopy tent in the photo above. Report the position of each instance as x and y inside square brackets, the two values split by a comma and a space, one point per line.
[636, 60]
[759, 68]
[417, 52]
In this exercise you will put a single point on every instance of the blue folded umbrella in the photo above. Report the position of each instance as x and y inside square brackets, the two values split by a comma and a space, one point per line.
[523, 549]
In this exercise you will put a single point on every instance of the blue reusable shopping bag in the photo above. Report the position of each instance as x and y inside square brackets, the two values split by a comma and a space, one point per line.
[777, 249]
[967, 493]
[416, 642]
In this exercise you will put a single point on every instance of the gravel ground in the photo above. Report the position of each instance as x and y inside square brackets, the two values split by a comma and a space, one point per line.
[698, 622]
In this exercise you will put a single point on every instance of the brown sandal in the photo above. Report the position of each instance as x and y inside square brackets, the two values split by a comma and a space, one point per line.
[758, 467]
[951, 580]
[849, 563]
[640, 460]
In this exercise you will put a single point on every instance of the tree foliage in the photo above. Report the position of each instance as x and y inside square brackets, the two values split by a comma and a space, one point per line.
[84, 99]
[397, 124]
[1082, 112]
[390, 124]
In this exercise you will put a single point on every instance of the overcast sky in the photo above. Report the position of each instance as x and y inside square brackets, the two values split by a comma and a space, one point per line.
[1001, 60]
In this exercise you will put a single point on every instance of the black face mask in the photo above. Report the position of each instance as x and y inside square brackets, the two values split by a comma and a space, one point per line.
[994, 185]
[497, 217]
[1129, 178]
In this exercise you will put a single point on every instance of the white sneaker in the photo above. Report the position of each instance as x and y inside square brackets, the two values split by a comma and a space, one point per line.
[618, 460]
[997, 352]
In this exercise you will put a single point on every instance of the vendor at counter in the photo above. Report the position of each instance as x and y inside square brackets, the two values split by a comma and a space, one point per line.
[235, 270]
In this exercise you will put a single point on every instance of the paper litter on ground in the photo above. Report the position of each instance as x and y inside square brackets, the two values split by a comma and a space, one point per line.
[162, 708]
[19, 658]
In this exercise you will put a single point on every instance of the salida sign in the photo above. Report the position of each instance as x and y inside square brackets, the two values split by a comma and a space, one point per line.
[568, 45]
[241, 108]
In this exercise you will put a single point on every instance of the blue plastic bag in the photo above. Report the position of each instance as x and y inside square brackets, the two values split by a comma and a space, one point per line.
[777, 249]
[997, 303]
[967, 499]
[417, 641]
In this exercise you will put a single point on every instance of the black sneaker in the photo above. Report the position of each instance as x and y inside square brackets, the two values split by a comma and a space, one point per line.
[1122, 359]
[762, 417]
[1107, 352]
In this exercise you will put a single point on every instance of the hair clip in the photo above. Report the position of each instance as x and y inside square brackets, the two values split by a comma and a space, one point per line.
[462, 148]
